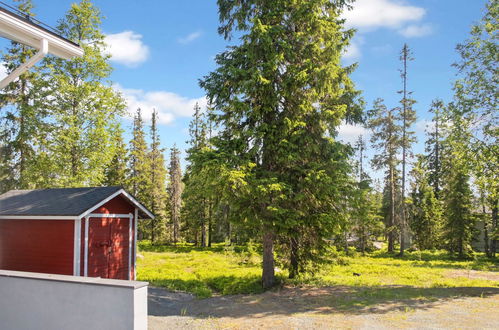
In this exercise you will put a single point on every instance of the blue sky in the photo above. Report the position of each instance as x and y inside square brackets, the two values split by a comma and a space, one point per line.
[161, 48]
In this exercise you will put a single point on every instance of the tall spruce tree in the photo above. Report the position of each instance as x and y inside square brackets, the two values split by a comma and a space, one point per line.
[425, 211]
[278, 97]
[408, 118]
[387, 140]
[194, 194]
[457, 193]
[156, 192]
[433, 147]
[175, 192]
[84, 107]
[139, 179]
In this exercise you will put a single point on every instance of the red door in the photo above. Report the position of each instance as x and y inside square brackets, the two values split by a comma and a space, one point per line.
[108, 248]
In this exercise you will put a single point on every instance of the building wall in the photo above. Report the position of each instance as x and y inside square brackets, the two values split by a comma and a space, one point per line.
[41, 301]
[43, 246]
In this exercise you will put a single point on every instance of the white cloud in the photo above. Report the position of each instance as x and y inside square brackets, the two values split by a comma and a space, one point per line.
[169, 105]
[372, 14]
[422, 125]
[350, 133]
[352, 53]
[414, 31]
[190, 37]
[127, 48]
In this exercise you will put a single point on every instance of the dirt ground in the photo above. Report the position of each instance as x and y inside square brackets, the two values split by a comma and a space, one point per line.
[331, 307]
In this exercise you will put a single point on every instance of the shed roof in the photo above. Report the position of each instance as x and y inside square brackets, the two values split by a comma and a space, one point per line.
[61, 201]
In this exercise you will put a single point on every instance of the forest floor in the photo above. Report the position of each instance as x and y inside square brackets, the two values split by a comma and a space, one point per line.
[219, 287]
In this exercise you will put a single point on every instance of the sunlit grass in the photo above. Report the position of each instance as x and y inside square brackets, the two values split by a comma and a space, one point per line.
[217, 270]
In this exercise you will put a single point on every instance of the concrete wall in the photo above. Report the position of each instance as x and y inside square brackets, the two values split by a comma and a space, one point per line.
[46, 301]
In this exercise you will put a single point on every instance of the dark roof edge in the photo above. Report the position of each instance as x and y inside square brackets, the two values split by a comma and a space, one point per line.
[33, 24]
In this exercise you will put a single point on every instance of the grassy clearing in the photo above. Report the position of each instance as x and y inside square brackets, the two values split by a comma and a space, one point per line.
[217, 270]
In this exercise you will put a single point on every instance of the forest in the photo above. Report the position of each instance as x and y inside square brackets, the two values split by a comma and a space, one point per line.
[265, 167]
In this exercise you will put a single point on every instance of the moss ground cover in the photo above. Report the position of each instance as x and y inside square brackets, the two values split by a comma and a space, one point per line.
[220, 270]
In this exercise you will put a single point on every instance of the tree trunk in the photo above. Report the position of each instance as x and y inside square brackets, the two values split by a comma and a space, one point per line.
[391, 219]
[485, 229]
[209, 223]
[268, 276]
[293, 264]
[152, 230]
[493, 245]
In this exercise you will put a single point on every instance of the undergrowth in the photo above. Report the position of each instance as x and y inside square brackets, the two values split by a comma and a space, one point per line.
[223, 269]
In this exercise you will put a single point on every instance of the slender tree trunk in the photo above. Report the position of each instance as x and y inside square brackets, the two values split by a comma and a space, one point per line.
[391, 219]
[293, 269]
[209, 222]
[268, 276]
[493, 245]
[485, 229]
[404, 149]
[203, 225]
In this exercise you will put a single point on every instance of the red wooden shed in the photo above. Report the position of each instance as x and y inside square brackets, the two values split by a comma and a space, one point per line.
[71, 231]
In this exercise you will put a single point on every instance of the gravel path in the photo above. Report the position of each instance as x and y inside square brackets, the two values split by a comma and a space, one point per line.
[325, 308]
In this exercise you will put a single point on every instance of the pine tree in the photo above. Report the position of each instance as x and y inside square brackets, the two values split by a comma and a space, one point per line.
[387, 139]
[175, 192]
[278, 98]
[408, 118]
[433, 147]
[156, 193]
[425, 211]
[85, 107]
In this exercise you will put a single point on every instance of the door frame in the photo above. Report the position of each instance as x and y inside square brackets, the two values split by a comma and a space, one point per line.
[107, 215]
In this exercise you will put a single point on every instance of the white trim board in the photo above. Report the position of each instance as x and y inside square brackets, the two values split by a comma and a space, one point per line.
[108, 215]
[77, 247]
[119, 192]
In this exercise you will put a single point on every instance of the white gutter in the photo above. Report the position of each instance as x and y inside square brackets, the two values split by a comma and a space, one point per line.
[44, 50]
[26, 32]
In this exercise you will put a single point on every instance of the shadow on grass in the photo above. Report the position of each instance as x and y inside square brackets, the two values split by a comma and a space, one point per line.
[327, 300]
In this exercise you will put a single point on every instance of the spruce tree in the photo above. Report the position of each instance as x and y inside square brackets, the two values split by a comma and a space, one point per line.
[139, 180]
[433, 147]
[408, 118]
[387, 140]
[457, 193]
[195, 194]
[156, 191]
[425, 211]
[278, 98]
[116, 173]
[175, 192]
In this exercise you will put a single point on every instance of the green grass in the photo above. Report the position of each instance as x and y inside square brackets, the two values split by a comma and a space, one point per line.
[217, 270]
[200, 271]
